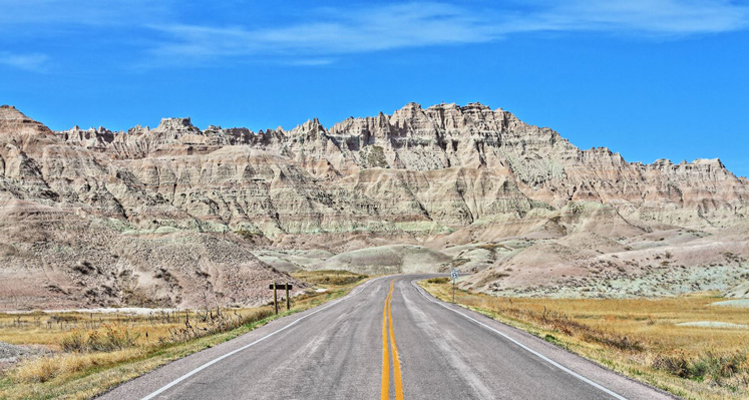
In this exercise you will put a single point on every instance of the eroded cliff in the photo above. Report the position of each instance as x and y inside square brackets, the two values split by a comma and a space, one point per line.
[142, 201]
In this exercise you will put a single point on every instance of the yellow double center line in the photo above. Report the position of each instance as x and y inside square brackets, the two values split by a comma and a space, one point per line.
[387, 319]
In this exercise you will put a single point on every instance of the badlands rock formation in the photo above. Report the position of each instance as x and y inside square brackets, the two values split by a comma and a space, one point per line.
[176, 215]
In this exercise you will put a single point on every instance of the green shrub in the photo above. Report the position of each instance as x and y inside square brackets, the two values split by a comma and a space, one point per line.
[708, 365]
[114, 337]
[73, 342]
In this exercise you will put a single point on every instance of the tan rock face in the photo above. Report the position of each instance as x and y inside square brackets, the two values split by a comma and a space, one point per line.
[445, 174]
[446, 165]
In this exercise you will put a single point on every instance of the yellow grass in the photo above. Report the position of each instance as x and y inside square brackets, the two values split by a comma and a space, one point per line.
[49, 329]
[43, 369]
[637, 337]
[329, 278]
[94, 352]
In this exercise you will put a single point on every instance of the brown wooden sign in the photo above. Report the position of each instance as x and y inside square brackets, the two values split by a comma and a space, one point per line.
[281, 286]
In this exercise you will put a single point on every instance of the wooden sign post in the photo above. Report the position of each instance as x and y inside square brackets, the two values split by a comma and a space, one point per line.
[275, 297]
[275, 286]
[288, 299]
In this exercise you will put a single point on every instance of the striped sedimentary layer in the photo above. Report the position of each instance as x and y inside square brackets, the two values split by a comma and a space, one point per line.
[448, 174]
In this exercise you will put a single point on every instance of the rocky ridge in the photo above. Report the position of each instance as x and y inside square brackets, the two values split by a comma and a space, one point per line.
[440, 176]
[445, 165]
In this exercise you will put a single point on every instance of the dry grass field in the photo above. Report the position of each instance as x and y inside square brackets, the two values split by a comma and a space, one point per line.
[641, 338]
[84, 354]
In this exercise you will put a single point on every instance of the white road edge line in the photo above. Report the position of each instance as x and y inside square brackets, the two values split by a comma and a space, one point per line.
[524, 347]
[215, 360]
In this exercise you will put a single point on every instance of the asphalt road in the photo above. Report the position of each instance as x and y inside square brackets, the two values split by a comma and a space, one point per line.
[386, 339]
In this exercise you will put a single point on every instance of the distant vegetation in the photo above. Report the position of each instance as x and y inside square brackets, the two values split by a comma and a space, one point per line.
[328, 277]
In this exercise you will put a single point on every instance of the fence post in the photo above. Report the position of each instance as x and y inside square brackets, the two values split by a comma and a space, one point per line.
[288, 300]
[275, 297]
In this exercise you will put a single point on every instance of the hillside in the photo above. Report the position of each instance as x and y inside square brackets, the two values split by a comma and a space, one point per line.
[179, 216]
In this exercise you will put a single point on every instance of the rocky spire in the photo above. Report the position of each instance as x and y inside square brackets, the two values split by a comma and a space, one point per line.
[177, 125]
[14, 121]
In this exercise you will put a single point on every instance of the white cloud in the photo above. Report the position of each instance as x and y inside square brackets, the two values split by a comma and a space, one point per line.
[325, 35]
[356, 30]
[29, 62]
[312, 61]
[655, 17]
[334, 32]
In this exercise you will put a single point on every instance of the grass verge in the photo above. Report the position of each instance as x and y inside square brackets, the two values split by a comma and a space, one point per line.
[92, 353]
[640, 338]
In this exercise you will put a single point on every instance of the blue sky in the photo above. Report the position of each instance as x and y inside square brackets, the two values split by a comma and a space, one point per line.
[647, 78]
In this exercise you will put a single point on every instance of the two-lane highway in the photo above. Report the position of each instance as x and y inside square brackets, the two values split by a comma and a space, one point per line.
[387, 339]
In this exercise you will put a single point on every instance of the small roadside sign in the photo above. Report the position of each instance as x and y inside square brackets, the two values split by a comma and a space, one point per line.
[454, 275]
[280, 286]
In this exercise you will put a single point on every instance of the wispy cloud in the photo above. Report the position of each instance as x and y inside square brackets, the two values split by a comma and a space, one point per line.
[157, 34]
[334, 32]
[30, 62]
[312, 61]
[646, 17]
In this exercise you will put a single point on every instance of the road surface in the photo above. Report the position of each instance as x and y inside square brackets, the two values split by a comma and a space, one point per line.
[388, 339]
